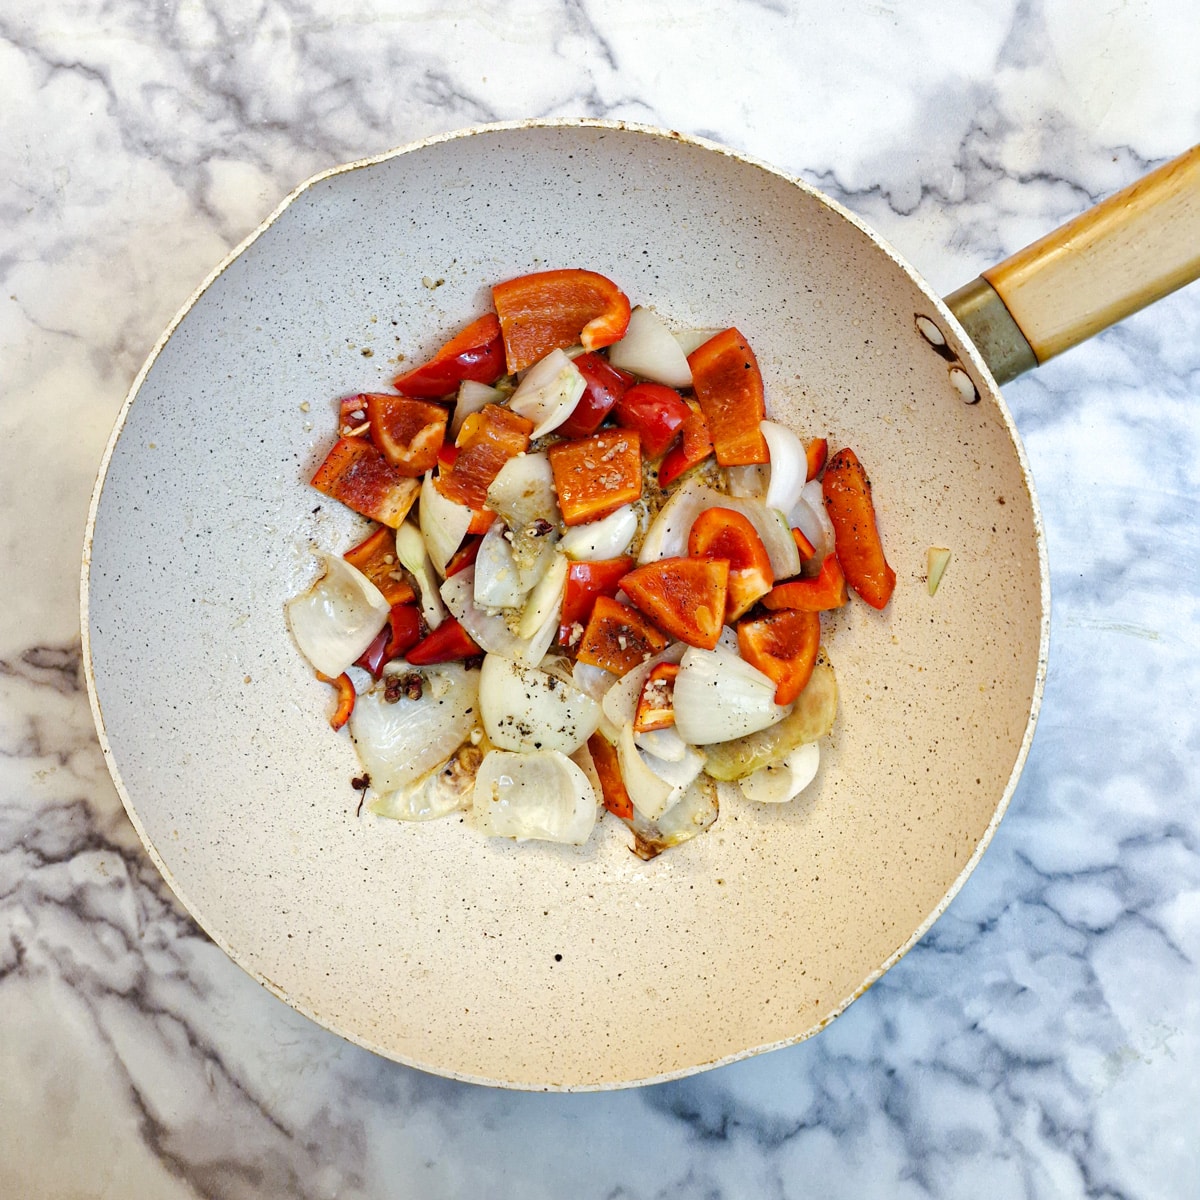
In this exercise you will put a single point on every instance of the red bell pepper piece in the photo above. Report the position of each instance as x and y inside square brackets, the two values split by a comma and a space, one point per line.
[603, 386]
[693, 447]
[586, 581]
[345, 698]
[729, 388]
[550, 310]
[655, 412]
[783, 646]
[656, 704]
[816, 451]
[399, 635]
[358, 475]
[375, 557]
[726, 534]
[608, 770]
[821, 592]
[487, 440]
[408, 432]
[618, 638]
[847, 492]
[683, 596]
[447, 643]
[477, 353]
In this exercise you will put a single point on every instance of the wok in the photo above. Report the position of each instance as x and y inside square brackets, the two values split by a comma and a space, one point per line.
[537, 966]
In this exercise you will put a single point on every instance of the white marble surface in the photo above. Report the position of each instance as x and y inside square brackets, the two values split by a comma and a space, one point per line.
[1044, 1038]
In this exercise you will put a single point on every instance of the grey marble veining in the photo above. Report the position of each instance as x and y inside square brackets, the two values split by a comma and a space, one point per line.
[1044, 1038]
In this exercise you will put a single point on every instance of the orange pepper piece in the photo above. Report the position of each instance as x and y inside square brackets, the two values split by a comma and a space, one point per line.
[608, 770]
[847, 492]
[595, 476]
[825, 590]
[408, 432]
[729, 389]
[783, 646]
[550, 310]
[487, 440]
[724, 533]
[693, 447]
[344, 689]
[375, 557]
[618, 638]
[683, 596]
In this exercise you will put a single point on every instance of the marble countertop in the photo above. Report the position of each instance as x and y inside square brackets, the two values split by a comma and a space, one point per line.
[1044, 1038]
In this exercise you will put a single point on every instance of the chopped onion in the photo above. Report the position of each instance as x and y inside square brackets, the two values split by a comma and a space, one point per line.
[543, 795]
[545, 600]
[491, 630]
[444, 523]
[338, 617]
[523, 491]
[811, 718]
[789, 466]
[548, 393]
[663, 743]
[651, 794]
[694, 812]
[443, 791]
[410, 549]
[497, 580]
[785, 779]
[693, 339]
[524, 708]
[649, 349]
[749, 481]
[719, 696]
[401, 741]
[607, 538]
[668, 533]
[472, 397]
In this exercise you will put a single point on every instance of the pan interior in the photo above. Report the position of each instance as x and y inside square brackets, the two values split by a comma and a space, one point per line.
[532, 965]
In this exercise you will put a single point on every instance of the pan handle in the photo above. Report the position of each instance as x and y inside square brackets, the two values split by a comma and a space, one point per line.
[1125, 253]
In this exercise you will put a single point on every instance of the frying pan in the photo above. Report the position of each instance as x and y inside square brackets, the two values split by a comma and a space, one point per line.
[539, 966]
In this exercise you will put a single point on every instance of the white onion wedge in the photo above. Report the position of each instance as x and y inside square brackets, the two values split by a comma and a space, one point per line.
[523, 491]
[444, 524]
[679, 773]
[399, 742]
[784, 780]
[651, 794]
[694, 812]
[693, 339]
[524, 708]
[548, 393]
[545, 599]
[410, 550]
[443, 791]
[749, 482]
[649, 349]
[543, 795]
[809, 516]
[663, 743]
[491, 630]
[607, 538]
[719, 696]
[789, 466]
[338, 617]
[497, 580]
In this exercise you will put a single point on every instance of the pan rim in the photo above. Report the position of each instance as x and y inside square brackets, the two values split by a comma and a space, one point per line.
[981, 373]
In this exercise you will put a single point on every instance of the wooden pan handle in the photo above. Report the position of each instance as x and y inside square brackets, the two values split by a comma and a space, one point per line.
[1125, 253]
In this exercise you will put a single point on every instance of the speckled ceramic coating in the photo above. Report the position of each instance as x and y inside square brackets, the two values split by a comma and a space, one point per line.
[530, 965]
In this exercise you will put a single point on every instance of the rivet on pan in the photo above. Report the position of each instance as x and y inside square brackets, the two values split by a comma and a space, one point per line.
[935, 337]
[964, 385]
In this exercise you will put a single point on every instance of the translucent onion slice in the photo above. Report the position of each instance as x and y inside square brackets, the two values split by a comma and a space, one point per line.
[748, 482]
[410, 550]
[784, 779]
[523, 492]
[491, 630]
[668, 532]
[545, 600]
[694, 812]
[548, 393]
[443, 791]
[401, 741]
[679, 773]
[497, 580]
[524, 708]
[338, 617]
[649, 349]
[789, 466]
[543, 795]
[809, 516]
[607, 538]
[693, 339]
[719, 696]
[651, 794]
[663, 743]
[443, 522]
